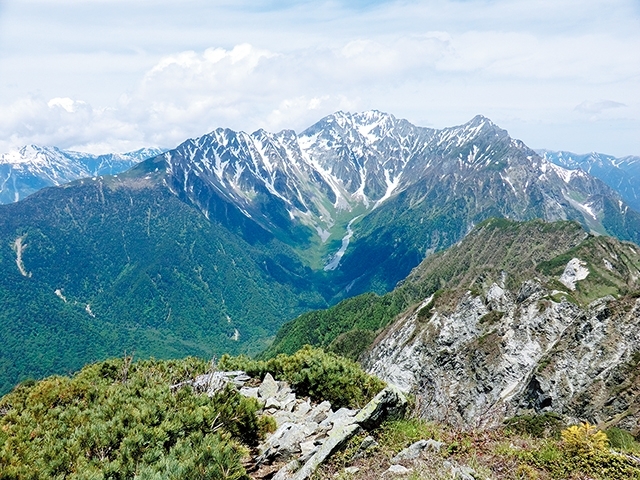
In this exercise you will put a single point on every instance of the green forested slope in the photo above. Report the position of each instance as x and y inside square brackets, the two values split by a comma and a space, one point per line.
[136, 269]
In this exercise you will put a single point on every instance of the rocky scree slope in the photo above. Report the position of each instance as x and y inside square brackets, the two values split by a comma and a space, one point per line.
[521, 335]
[31, 168]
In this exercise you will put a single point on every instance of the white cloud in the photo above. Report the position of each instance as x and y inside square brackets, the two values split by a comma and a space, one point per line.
[598, 107]
[147, 75]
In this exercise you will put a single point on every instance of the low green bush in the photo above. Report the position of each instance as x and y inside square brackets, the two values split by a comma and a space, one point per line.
[545, 425]
[622, 440]
[120, 420]
[312, 371]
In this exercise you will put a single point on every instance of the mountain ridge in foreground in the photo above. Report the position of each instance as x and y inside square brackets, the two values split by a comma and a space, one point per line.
[210, 247]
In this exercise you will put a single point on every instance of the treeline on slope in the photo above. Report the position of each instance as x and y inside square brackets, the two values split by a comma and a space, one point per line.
[156, 277]
[121, 419]
[522, 249]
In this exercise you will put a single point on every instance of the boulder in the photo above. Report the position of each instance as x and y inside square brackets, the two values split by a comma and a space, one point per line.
[268, 388]
[389, 403]
[414, 450]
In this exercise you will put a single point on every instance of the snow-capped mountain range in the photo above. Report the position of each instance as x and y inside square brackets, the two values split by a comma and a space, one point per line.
[32, 167]
[357, 162]
[620, 173]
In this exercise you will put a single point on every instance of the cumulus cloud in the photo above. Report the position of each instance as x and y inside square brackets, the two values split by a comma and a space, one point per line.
[438, 62]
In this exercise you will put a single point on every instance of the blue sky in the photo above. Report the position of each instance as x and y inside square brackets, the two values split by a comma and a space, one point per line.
[115, 75]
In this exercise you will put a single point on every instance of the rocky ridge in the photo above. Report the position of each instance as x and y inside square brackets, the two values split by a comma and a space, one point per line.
[306, 433]
[620, 173]
[475, 357]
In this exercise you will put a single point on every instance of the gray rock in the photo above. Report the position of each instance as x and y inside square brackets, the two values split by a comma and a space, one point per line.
[285, 472]
[288, 402]
[213, 382]
[308, 448]
[268, 387]
[389, 403]
[413, 451]
[342, 416]
[337, 438]
[463, 473]
[367, 443]
[284, 391]
[459, 472]
[281, 417]
[271, 402]
[320, 412]
[251, 392]
[310, 428]
[302, 408]
[396, 471]
[283, 444]
[351, 470]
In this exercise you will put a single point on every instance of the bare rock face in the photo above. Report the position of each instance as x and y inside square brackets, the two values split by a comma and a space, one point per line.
[497, 354]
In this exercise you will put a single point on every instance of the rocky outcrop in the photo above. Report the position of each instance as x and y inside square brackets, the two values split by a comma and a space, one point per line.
[499, 353]
[306, 433]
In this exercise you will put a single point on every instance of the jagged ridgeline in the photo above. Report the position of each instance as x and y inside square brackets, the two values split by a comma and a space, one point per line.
[31, 168]
[211, 247]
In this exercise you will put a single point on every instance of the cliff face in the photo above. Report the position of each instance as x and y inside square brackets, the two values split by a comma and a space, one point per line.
[475, 356]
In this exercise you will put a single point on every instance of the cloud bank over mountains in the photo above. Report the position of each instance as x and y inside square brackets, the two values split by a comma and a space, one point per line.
[556, 74]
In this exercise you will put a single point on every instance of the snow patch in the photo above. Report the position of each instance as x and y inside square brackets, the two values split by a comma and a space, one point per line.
[563, 173]
[391, 186]
[575, 271]
[335, 261]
